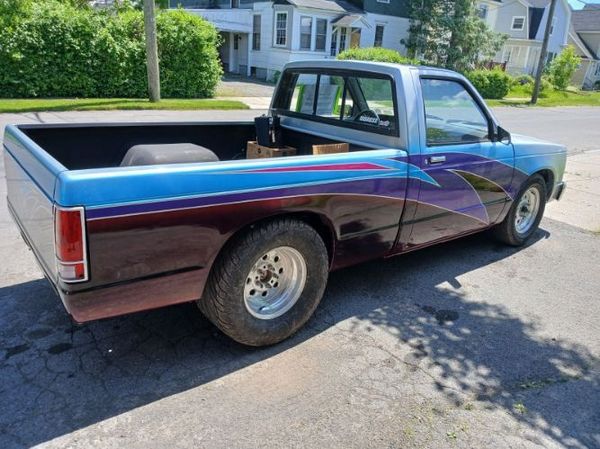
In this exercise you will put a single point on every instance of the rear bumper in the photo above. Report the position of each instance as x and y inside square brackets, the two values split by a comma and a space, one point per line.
[559, 189]
[134, 296]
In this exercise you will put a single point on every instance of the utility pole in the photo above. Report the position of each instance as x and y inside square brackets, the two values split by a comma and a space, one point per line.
[151, 51]
[543, 52]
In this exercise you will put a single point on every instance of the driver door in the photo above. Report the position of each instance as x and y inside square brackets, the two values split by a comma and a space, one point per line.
[469, 173]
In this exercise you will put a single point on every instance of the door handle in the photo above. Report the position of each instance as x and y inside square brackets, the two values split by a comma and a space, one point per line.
[436, 159]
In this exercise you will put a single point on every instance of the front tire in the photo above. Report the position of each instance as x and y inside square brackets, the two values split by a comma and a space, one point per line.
[267, 282]
[525, 214]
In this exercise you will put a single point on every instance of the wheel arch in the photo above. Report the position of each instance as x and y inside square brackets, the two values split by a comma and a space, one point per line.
[548, 175]
[319, 222]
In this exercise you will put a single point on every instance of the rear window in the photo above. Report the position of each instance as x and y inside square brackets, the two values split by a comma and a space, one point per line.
[364, 101]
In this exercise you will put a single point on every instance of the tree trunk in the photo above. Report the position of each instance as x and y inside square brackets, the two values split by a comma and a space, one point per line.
[151, 51]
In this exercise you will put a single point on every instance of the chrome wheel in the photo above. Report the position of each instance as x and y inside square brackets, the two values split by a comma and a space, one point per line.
[527, 210]
[275, 283]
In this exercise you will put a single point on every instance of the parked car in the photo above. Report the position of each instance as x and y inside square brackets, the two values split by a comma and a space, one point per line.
[133, 216]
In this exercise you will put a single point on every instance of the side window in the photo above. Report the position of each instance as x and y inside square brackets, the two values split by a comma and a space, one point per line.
[329, 102]
[379, 99]
[451, 114]
[303, 97]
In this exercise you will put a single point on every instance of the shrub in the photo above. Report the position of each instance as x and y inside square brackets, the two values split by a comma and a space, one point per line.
[562, 68]
[376, 54]
[545, 86]
[188, 51]
[491, 84]
[523, 80]
[57, 50]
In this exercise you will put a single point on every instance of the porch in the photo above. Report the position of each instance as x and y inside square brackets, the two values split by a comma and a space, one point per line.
[235, 52]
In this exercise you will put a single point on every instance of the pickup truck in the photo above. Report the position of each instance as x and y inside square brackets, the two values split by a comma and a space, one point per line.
[127, 217]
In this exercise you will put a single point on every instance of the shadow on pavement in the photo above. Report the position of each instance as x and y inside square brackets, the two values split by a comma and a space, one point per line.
[58, 377]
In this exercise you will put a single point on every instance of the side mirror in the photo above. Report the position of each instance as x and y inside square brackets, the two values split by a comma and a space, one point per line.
[502, 136]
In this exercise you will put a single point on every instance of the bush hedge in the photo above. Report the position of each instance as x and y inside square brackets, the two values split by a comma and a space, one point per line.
[53, 49]
[491, 84]
[523, 80]
[376, 54]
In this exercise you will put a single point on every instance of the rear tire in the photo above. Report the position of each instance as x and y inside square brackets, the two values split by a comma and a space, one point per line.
[267, 282]
[525, 214]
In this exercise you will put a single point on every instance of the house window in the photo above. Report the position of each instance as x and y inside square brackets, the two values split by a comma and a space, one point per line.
[518, 23]
[383, 1]
[378, 36]
[235, 3]
[321, 35]
[343, 33]
[482, 11]
[281, 29]
[597, 69]
[305, 32]
[552, 25]
[256, 32]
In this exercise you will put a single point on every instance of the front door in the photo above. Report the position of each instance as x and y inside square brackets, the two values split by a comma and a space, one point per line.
[467, 174]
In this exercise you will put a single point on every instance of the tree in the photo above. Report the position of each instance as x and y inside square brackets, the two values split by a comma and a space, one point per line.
[448, 33]
[563, 67]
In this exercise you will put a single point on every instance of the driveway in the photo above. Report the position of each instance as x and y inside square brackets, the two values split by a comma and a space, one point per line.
[467, 344]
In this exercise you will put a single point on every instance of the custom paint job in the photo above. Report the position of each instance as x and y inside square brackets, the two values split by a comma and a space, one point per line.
[154, 232]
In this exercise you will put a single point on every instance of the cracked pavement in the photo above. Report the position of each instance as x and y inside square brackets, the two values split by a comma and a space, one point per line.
[467, 344]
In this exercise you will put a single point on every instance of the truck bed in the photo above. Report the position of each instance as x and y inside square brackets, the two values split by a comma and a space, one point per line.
[148, 227]
[86, 146]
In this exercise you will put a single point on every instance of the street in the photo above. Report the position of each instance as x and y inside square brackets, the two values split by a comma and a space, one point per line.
[466, 344]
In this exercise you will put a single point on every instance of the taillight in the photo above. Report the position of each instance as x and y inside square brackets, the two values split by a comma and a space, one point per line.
[69, 232]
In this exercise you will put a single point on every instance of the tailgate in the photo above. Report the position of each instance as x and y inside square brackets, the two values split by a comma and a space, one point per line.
[30, 177]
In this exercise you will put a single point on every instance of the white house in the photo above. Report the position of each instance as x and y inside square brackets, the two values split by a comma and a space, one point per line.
[260, 37]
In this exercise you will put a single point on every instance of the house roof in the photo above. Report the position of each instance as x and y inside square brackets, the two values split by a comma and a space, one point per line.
[587, 51]
[538, 3]
[587, 19]
[327, 5]
[347, 20]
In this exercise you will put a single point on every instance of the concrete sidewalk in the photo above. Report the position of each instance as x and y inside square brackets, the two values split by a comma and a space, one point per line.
[580, 204]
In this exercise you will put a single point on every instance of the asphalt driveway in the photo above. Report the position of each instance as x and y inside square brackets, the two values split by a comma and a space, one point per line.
[468, 344]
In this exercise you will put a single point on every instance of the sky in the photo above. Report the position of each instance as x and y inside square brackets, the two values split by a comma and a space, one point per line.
[576, 4]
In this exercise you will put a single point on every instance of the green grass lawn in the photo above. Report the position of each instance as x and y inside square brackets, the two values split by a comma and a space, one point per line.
[106, 104]
[520, 97]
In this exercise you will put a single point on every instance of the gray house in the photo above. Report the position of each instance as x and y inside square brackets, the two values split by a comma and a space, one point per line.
[584, 35]
[260, 37]
[524, 21]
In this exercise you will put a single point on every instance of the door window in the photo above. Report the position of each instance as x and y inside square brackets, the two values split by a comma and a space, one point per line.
[452, 115]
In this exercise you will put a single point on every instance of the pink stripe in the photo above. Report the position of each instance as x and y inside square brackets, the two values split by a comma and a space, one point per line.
[330, 167]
